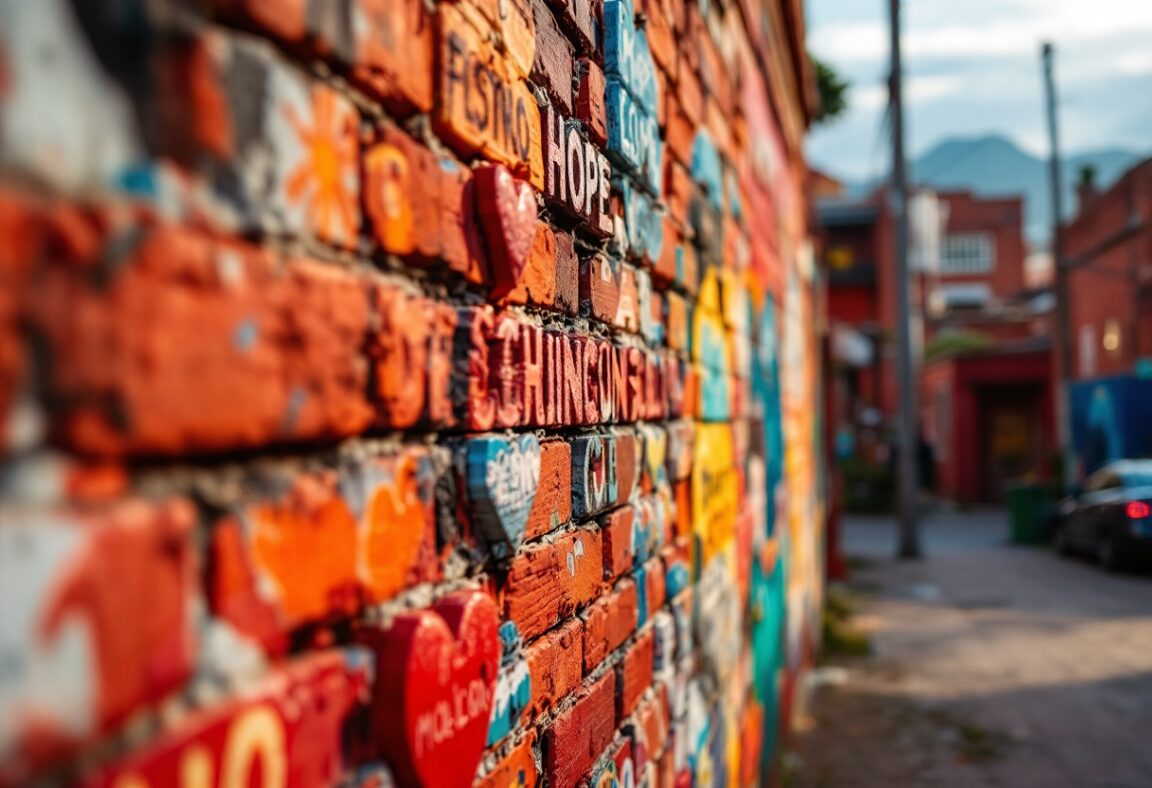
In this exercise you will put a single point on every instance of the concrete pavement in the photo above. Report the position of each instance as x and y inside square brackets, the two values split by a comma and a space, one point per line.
[993, 665]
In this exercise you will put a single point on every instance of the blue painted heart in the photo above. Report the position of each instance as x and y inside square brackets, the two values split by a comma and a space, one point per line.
[502, 477]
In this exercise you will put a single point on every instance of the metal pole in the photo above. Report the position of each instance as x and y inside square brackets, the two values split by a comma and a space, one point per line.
[907, 378]
[1063, 321]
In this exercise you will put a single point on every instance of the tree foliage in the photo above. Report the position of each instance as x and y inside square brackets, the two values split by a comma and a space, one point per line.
[833, 91]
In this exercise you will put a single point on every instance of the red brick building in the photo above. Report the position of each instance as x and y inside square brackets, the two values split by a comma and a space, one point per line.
[1109, 248]
[986, 358]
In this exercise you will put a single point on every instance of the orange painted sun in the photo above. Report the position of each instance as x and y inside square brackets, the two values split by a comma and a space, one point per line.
[326, 178]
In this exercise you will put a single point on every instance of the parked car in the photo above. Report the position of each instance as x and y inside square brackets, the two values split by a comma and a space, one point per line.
[1110, 517]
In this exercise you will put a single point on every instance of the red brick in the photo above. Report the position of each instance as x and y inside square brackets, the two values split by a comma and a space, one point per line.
[567, 274]
[552, 506]
[518, 767]
[635, 673]
[617, 530]
[457, 228]
[555, 663]
[550, 581]
[608, 623]
[579, 20]
[295, 719]
[590, 108]
[22, 229]
[241, 349]
[579, 735]
[552, 68]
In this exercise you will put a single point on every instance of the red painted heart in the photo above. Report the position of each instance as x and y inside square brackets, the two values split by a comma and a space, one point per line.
[435, 679]
[507, 209]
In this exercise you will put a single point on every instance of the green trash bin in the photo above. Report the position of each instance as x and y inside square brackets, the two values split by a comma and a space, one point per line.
[1029, 508]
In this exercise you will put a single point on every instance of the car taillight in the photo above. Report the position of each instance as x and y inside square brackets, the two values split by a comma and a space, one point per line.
[1138, 510]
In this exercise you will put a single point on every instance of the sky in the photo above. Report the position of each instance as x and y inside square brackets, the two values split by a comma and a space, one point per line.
[972, 67]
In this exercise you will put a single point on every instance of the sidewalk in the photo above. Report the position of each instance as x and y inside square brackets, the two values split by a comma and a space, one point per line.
[993, 665]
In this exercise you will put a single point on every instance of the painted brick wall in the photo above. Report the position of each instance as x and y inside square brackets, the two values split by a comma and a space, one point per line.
[404, 392]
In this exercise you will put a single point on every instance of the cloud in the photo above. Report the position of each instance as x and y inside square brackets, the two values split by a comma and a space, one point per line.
[973, 68]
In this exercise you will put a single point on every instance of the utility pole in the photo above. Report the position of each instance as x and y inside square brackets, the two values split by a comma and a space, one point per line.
[1060, 266]
[906, 376]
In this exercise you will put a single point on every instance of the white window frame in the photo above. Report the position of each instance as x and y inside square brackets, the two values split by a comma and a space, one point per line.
[964, 254]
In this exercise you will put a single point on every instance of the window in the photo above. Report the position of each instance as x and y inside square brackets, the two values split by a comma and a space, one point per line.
[967, 253]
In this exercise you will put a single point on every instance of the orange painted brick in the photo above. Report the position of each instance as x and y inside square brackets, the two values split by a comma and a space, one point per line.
[537, 283]
[661, 36]
[692, 29]
[400, 185]
[517, 768]
[393, 51]
[656, 587]
[690, 95]
[680, 131]
[515, 22]
[590, 108]
[241, 349]
[634, 673]
[482, 106]
[400, 350]
[666, 269]
[608, 623]
[552, 506]
[617, 536]
[284, 19]
[676, 320]
[678, 189]
[579, 735]
[650, 733]
[550, 581]
[556, 665]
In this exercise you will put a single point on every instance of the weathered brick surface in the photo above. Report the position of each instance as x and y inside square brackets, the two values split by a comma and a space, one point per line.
[429, 354]
[552, 580]
[579, 735]
[555, 662]
[635, 674]
[608, 623]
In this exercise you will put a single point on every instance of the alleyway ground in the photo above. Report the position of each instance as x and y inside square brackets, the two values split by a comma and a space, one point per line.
[992, 665]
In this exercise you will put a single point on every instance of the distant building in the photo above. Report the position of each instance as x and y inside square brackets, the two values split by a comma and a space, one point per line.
[1108, 246]
[986, 399]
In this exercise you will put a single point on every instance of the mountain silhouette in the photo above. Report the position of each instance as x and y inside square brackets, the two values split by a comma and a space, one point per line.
[994, 166]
